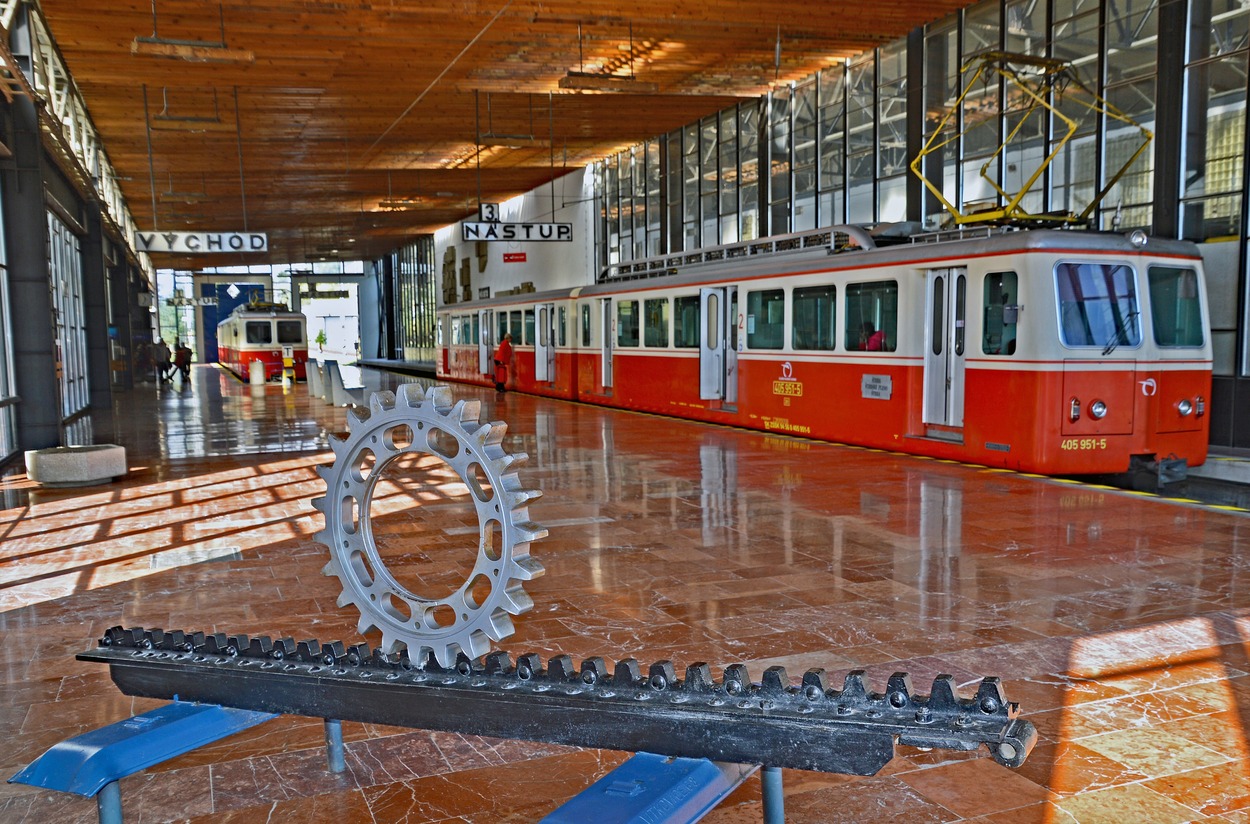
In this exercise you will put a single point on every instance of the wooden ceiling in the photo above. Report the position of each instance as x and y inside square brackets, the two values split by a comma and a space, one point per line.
[344, 128]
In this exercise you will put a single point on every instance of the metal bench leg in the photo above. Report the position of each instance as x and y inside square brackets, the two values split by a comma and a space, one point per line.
[774, 796]
[108, 803]
[334, 745]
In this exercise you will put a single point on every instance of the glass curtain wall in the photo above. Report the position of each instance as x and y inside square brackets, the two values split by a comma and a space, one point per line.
[1215, 120]
[65, 270]
[416, 301]
[8, 392]
[1131, 47]
[835, 144]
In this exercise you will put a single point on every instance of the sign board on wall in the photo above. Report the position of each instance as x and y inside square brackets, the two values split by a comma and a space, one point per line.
[201, 242]
[562, 232]
[513, 257]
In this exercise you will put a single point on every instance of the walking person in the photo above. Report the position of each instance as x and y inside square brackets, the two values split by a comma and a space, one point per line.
[182, 361]
[163, 365]
[503, 357]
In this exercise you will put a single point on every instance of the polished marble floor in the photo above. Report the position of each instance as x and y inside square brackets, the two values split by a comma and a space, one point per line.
[1121, 623]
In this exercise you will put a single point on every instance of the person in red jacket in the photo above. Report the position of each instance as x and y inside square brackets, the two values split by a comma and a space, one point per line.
[503, 357]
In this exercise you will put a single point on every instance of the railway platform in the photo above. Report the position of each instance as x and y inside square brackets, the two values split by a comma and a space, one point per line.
[1119, 621]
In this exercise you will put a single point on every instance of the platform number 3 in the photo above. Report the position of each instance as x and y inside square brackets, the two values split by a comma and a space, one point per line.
[488, 212]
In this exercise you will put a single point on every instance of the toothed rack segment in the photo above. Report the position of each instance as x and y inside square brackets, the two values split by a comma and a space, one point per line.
[806, 725]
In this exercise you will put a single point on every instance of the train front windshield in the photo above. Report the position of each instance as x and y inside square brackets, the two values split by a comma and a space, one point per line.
[1098, 305]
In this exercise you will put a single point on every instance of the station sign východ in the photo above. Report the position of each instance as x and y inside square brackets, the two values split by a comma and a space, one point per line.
[201, 242]
[549, 232]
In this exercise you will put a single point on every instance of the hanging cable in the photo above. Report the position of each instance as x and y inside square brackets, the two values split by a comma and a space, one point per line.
[434, 82]
[238, 134]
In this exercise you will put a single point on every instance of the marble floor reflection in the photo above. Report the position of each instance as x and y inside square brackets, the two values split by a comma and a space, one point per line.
[1121, 623]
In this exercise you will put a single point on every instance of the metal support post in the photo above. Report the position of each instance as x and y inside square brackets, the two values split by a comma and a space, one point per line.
[108, 803]
[774, 796]
[334, 745]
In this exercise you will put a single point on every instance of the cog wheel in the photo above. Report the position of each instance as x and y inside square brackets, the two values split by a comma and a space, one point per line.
[467, 620]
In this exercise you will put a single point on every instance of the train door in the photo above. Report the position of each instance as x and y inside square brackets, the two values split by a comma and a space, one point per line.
[544, 342]
[945, 316]
[718, 343]
[485, 349]
[608, 331]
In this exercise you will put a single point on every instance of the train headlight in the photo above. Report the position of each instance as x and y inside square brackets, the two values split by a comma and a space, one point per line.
[1201, 406]
[1074, 410]
[1184, 407]
[1098, 410]
[1138, 238]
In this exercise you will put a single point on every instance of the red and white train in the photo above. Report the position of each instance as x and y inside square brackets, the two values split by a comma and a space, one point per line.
[265, 332]
[1051, 351]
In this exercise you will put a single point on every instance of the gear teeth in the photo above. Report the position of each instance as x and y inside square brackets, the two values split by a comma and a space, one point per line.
[775, 682]
[491, 434]
[345, 598]
[662, 675]
[853, 688]
[528, 531]
[500, 626]
[516, 601]
[815, 684]
[990, 696]
[379, 402]
[339, 447]
[390, 644]
[440, 397]
[358, 415]
[365, 625]
[699, 678]
[517, 498]
[942, 697]
[514, 461]
[527, 569]
[497, 663]
[560, 668]
[467, 412]
[737, 680]
[628, 673]
[409, 395]
[898, 690]
[319, 504]
[594, 670]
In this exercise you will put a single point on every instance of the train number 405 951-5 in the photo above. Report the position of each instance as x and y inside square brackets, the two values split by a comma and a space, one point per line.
[1083, 443]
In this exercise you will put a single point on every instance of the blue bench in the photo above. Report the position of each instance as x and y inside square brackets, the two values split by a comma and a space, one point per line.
[91, 764]
[646, 789]
[657, 789]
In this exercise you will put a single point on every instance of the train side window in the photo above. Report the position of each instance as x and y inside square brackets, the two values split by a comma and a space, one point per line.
[514, 327]
[1002, 312]
[475, 325]
[259, 331]
[766, 314]
[872, 316]
[291, 332]
[562, 322]
[655, 322]
[501, 319]
[627, 323]
[1097, 305]
[1175, 312]
[529, 327]
[814, 310]
[686, 312]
